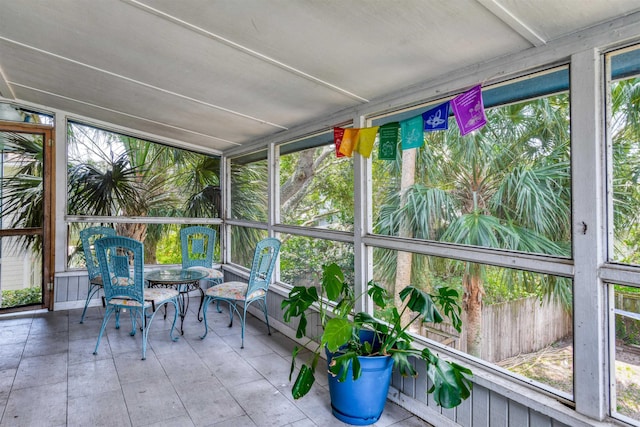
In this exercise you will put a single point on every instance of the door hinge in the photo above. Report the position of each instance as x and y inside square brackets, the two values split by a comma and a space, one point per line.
[50, 142]
[50, 286]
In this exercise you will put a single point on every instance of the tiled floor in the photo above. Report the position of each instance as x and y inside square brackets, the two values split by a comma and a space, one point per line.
[50, 377]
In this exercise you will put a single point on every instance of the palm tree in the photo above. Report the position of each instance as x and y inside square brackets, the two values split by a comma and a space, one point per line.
[505, 187]
[22, 197]
[125, 176]
[625, 126]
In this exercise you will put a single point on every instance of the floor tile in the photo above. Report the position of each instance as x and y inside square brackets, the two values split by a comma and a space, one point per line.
[151, 401]
[41, 370]
[99, 410]
[50, 323]
[183, 421]
[92, 378]
[10, 355]
[44, 405]
[14, 333]
[6, 380]
[131, 368]
[208, 402]
[232, 370]
[265, 404]
[81, 350]
[45, 344]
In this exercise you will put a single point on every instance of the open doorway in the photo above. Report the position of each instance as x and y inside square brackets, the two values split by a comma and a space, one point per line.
[26, 216]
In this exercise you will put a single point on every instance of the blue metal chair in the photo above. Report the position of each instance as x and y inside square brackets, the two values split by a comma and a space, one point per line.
[244, 294]
[88, 236]
[124, 287]
[197, 244]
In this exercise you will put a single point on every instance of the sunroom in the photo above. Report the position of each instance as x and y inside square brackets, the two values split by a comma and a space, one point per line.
[151, 116]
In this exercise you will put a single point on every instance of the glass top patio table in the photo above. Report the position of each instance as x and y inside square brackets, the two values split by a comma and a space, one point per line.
[184, 281]
[175, 276]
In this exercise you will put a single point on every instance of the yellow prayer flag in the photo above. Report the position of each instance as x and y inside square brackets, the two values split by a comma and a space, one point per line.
[349, 140]
[366, 138]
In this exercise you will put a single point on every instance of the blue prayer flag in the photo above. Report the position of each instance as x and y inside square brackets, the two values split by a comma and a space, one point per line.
[436, 118]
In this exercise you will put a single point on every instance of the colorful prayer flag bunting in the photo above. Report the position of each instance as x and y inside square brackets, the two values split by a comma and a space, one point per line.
[366, 138]
[436, 118]
[412, 132]
[388, 142]
[469, 110]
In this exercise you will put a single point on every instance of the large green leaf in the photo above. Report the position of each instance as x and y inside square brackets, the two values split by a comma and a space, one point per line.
[451, 382]
[337, 333]
[421, 302]
[300, 299]
[339, 366]
[332, 281]
[303, 383]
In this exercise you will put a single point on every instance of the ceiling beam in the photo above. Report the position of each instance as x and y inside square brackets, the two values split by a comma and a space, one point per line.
[141, 83]
[5, 89]
[244, 49]
[513, 21]
[122, 113]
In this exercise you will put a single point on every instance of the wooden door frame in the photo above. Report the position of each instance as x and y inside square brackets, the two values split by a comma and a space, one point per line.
[48, 225]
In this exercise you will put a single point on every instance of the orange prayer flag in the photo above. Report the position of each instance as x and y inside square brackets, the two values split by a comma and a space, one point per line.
[366, 138]
[349, 140]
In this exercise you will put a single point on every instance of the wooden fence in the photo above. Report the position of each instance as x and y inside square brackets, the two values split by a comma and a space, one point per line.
[511, 328]
[522, 326]
[627, 309]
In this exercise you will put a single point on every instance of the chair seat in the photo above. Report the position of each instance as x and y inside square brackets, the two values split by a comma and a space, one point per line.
[233, 291]
[212, 273]
[157, 295]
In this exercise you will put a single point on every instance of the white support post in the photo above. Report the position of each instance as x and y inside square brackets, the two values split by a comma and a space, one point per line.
[362, 222]
[589, 233]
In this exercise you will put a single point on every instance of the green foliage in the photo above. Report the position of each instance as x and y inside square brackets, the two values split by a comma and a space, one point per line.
[316, 189]
[340, 334]
[168, 249]
[18, 297]
[301, 258]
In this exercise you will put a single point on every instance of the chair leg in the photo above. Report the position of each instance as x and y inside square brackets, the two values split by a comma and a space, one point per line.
[231, 309]
[108, 312]
[117, 317]
[206, 302]
[147, 320]
[266, 316]
[243, 320]
[201, 304]
[145, 332]
[93, 289]
[133, 321]
[213, 283]
[175, 318]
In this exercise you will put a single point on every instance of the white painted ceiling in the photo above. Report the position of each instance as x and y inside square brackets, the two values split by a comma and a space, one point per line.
[219, 74]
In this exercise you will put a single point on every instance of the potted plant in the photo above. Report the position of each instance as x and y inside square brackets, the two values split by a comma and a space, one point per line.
[353, 341]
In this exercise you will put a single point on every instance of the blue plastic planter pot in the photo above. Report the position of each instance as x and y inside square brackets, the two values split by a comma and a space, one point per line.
[361, 402]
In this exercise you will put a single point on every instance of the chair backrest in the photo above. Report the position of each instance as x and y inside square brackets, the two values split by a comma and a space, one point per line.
[264, 261]
[88, 236]
[197, 245]
[121, 262]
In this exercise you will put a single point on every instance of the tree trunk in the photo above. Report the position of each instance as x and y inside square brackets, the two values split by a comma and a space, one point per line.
[134, 231]
[472, 305]
[404, 259]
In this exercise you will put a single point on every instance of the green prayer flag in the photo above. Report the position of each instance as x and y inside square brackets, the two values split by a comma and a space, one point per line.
[388, 135]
